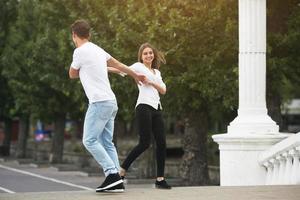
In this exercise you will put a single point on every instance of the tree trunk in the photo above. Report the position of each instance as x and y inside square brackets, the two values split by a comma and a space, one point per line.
[274, 110]
[5, 148]
[119, 130]
[131, 128]
[56, 154]
[22, 138]
[123, 128]
[194, 167]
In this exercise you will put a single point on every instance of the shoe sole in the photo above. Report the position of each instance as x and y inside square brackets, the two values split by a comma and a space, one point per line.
[113, 191]
[109, 186]
[161, 188]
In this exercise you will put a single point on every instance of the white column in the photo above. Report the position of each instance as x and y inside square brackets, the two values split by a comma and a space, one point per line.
[252, 131]
[252, 113]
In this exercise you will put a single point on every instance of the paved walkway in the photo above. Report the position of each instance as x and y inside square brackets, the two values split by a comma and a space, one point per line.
[47, 183]
[178, 193]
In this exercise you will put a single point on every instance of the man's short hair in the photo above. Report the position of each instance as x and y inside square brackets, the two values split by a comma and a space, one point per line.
[81, 28]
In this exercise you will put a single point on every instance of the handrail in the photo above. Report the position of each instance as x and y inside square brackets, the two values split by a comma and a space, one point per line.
[281, 162]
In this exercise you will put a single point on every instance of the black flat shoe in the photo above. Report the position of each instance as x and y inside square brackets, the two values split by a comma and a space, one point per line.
[162, 185]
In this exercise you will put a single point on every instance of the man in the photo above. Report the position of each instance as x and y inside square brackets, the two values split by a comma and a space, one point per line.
[90, 63]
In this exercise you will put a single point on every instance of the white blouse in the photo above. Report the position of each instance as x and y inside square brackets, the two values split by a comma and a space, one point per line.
[147, 93]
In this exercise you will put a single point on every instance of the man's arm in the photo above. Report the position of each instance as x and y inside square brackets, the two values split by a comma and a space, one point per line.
[116, 71]
[123, 68]
[73, 73]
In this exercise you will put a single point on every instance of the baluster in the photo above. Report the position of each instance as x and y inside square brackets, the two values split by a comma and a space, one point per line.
[269, 168]
[281, 160]
[288, 168]
[275, 163]
[297, 179]
[295, 166]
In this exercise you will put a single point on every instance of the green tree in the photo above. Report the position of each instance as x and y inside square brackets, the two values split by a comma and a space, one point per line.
[290, 47]
[281, 71]
[203, 76]
[284, 58]
[38, 54]
[8, 17]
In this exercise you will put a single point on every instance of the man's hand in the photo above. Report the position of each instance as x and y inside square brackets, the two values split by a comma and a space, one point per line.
[73, 73]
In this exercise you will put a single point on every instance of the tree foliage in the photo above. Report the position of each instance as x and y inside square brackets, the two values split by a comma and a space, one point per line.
[282, 67]
[7, 13]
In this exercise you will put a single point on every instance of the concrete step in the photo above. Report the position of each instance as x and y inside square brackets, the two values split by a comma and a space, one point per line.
[177, 193]
[22, 161]
[136, 181]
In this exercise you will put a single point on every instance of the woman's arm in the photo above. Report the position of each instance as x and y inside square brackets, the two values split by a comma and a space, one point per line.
[161, 88]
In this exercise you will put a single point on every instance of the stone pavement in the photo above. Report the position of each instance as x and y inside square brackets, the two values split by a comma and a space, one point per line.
[177, 193]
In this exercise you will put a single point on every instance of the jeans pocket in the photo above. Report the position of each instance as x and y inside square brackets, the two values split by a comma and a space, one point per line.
[105, 111]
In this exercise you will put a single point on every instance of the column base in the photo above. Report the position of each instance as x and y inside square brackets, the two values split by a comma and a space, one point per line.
[253, 124]
[239, 155]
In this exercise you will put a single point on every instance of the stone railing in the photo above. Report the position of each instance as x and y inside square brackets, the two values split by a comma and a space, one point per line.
[281, 162]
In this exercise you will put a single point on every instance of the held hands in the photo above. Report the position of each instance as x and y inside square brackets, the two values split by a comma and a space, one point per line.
[140, 78]
[148, 82]
[122, 74]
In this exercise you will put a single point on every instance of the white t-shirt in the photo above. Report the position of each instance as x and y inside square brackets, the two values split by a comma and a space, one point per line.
[148, 94]
[91, 60]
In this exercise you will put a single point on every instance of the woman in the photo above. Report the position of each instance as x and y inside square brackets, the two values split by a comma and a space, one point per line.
[148, 112]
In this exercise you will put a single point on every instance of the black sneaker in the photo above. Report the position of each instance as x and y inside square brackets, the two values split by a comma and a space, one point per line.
[110, 181]
[118, 188]
[162, 185]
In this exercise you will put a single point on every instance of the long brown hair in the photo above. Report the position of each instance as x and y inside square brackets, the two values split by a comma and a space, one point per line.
[158, 56]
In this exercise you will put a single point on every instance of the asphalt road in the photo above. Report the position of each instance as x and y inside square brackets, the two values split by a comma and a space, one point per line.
[22, 178]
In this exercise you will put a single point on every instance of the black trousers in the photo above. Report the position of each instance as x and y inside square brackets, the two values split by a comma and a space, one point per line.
[149, 121]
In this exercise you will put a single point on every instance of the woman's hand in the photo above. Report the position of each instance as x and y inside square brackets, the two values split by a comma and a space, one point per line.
[140, 78]
[160, 89]
[148, 82]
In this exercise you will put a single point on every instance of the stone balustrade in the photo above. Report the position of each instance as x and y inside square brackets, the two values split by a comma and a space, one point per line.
[282, 163]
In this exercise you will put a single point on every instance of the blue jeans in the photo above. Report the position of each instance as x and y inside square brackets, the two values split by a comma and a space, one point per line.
[98, 135]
